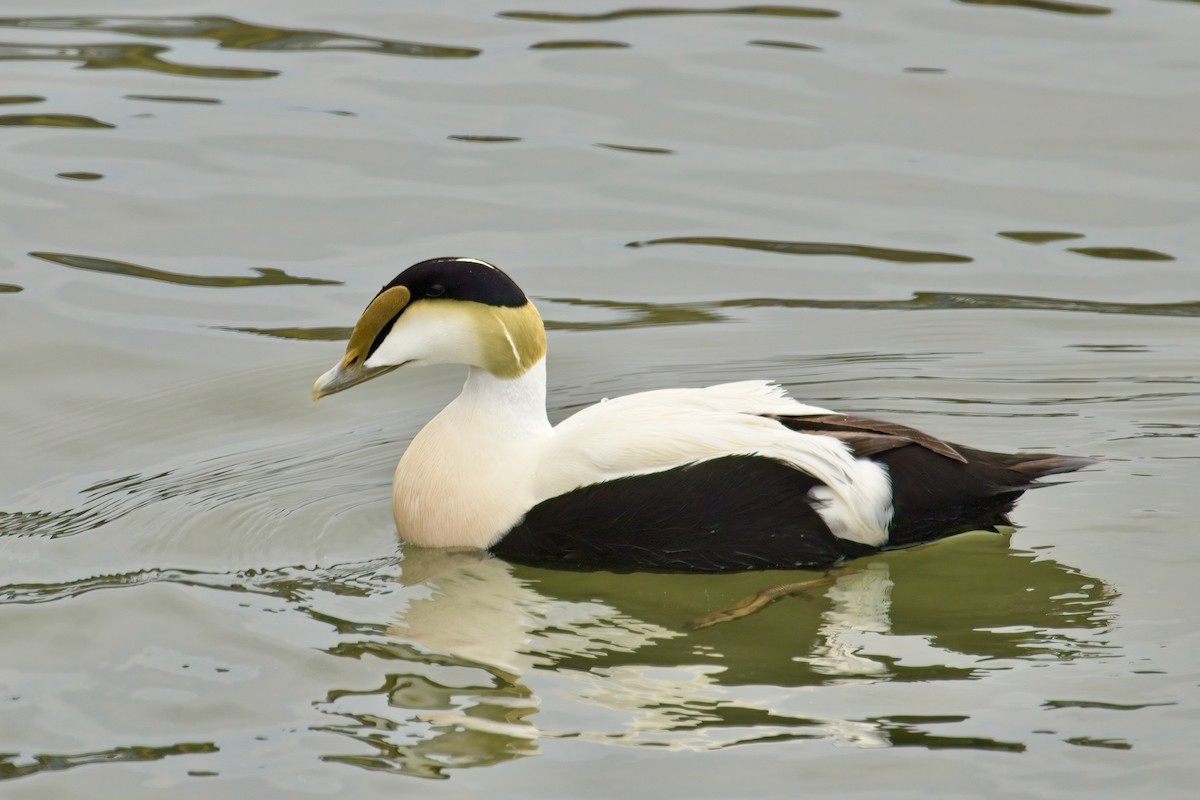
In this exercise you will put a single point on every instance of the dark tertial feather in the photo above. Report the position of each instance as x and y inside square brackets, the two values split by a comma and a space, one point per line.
[723, 515]
[844, 426]
[938, 488]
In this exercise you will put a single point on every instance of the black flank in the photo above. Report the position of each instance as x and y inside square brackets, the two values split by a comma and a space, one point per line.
[724, 515]
[748, 512]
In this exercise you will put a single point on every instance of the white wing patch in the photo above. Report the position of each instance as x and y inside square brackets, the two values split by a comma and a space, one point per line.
[655, 431]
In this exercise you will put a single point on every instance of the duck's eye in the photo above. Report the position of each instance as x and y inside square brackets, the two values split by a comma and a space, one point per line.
[437, 290]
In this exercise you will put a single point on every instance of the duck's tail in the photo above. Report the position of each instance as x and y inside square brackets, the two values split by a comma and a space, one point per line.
[1039, 465]
[936, 497]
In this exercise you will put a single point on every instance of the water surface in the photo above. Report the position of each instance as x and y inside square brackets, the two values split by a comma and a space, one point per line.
[973, 217]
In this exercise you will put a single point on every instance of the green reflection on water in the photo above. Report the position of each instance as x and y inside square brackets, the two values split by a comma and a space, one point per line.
[174, 98]
[1039, 237]
[491, 728]
[630, 148]
[474, 137]
[1123, 253]
[15, 765]
[958, 300]
[10, 288]
[1056, 704]
[267, 276]
[124, 56]
[912, 735]
[1106, 744]
[1055, 6]
[814, 249]
[327, 334]
[628, 13]
[624, 645]
[234, 34]
[1008, 604]
[456, 658]
[783, 45]
[578, 44]
[51, 120]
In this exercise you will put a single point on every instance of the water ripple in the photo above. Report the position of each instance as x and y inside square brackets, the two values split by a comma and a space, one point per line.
[174, 98]
[961, 300]
[485, 138]
[267, 276]
[629, 13]
[1123, 253]
[15, 765]
[1039, 237]
[234, 34]
[623, 643]
[1055, 6]
[125, 56]
[631, 148]
[815, 249]
[578, 44]
[52, 120]
[348, 579]
[783, 45]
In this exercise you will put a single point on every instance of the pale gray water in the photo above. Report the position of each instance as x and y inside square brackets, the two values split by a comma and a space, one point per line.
[974, 217]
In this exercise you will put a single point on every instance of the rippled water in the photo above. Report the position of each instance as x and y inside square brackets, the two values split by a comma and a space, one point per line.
[977, 217]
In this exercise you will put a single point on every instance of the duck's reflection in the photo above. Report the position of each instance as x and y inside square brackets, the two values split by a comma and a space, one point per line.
[671, 661]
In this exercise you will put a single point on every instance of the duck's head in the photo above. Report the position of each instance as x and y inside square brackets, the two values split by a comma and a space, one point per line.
[442, 311]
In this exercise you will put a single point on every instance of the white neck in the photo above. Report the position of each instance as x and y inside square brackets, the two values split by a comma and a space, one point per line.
[468, 475]
[511, 406]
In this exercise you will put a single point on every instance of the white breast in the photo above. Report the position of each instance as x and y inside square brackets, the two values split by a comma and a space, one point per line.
[468, 476]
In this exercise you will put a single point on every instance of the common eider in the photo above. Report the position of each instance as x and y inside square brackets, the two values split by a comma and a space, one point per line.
[736, 476]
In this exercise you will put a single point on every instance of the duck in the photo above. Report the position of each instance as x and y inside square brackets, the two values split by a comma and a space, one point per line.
[729, 477]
